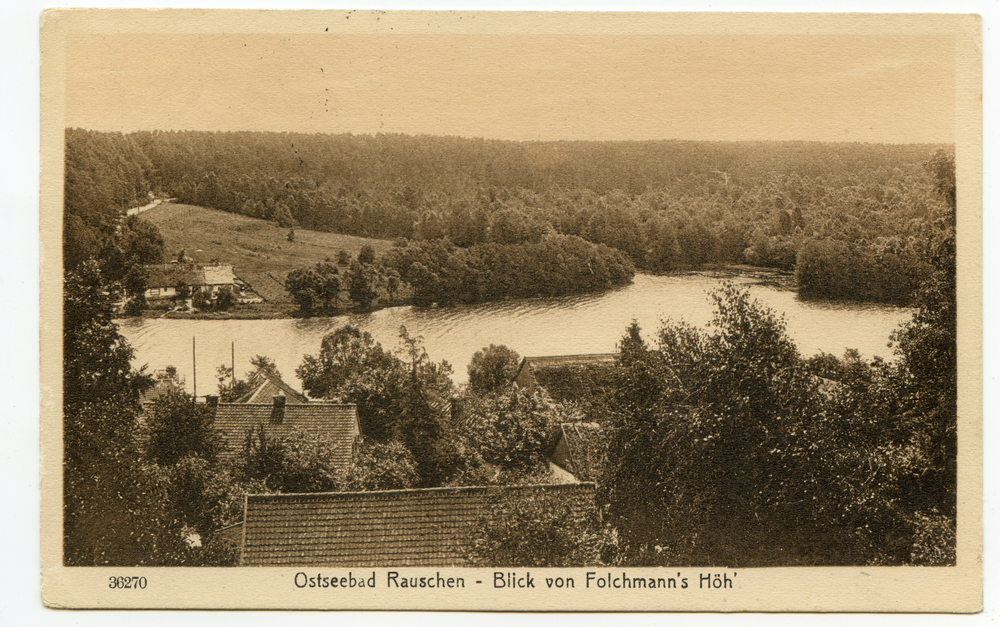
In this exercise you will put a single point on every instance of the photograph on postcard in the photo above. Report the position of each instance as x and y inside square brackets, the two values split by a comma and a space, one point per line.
[652, 300]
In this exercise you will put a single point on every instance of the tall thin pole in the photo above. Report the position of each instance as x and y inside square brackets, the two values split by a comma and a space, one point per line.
[194, 367]
[234, 360]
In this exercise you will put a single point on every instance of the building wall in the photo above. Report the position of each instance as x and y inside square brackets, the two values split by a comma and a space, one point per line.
[526, 379]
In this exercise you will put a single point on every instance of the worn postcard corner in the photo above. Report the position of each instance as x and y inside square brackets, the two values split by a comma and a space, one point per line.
[511, 311]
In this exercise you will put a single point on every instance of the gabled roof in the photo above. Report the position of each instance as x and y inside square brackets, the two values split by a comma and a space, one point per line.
[579, 449]
[337, 423]
[171, 274]
[163, 384]
[566, 377]
[270, 386]
[427, 527]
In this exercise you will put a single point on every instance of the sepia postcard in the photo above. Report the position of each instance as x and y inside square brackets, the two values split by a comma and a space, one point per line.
[365, 310]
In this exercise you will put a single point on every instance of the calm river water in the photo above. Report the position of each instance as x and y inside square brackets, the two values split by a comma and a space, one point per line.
[590, 323]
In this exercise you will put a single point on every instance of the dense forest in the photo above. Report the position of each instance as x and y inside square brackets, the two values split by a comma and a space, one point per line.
[854, 220]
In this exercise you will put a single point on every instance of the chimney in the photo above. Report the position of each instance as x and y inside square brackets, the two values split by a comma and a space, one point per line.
[278, 410]
[212, 400]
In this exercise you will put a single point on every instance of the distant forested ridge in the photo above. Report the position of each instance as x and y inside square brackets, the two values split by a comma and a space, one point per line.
[665, 204]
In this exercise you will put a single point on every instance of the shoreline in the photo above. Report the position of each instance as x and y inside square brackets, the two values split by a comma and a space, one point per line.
[772, 277]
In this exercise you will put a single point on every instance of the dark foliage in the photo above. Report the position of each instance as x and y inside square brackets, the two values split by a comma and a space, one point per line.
[510, 429]
[178, 428]
[442, 273]
[537, 529]
[399, 398]
[298, 462]
[730, 450]
[492, 368]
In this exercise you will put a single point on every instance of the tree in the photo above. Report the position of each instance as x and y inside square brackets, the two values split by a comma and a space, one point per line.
[135, 285]
[365, 282]
[315, 289]
[382, 466]
[96, 358]
[510, 429]
[398, 397]
[421, 426]
[179, 428]
[184, 291]
[225, 300]
[283, 215]
[297, 462]
[531, 528]
[492, 368]
[230, 388]
[367, 255]
[346, 352]
[714, 456]
[203, 498]
[927, 378]
[115, 505]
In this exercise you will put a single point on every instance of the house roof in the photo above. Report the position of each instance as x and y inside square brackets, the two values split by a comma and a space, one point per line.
[579, 448]
[337, 423]
[270, 386]
[163, 384]
[568, 377]
[426, 527]
[170, 274]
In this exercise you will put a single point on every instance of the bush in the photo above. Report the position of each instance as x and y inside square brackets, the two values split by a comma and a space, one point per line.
[509, 428]
[367, 254]
[525, 527]
[492, 368]
[298, 462]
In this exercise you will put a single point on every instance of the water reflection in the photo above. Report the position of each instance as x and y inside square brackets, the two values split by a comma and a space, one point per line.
[537, 326]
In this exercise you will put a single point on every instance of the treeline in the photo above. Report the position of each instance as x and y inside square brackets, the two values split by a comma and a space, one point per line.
[439, 272]
[666, 204]
[444, 273]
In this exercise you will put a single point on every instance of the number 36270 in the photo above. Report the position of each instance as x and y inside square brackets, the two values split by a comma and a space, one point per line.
[123, 583]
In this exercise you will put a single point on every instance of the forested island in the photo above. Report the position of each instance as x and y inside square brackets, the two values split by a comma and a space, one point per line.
[720, 446]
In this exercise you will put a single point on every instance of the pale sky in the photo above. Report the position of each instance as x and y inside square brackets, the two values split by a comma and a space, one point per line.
[872, 88]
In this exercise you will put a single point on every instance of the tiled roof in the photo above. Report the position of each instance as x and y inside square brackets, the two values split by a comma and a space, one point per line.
[428, 527]
[162, 385]
[337, 423]
[566, 377]
[170, 274]
[559, 361]
[271, 288]
[268, 388]
[580, 449]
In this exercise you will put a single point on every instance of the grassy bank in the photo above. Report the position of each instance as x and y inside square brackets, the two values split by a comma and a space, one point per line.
[260, 251]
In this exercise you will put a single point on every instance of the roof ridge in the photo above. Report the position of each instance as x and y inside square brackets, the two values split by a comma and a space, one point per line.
[439, 490]
[615, 354]
[309, 404]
